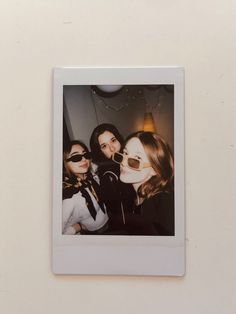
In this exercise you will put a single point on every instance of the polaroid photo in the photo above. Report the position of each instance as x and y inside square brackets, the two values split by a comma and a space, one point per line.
[118, 171]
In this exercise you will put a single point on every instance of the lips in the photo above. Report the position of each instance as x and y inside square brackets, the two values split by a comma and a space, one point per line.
[85, 165]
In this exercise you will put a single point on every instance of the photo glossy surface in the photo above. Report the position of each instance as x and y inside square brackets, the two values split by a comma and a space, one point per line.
[85, 110]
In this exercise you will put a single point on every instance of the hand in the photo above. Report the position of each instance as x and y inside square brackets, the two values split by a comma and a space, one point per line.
[77, 227]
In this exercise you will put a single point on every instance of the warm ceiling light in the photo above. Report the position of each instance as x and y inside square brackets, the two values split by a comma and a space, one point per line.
[148, 123]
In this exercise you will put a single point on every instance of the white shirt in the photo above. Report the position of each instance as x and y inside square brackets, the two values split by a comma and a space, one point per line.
[75, 210]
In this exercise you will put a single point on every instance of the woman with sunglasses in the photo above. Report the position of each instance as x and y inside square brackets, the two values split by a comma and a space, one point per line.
[147, 164]
[82, 210]
[118, 197]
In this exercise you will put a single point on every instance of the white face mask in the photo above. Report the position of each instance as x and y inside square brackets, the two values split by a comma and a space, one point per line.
[134, 148]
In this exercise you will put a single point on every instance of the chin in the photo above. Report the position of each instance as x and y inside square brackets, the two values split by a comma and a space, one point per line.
[83, 171]
[125, 179]
[122, 178]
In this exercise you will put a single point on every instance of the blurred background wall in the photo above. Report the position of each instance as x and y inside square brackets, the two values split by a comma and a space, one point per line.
[85, 108]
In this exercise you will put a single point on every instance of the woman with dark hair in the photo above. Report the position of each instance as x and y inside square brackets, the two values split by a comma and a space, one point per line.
[118, 197]
[147, 164]
[82, 208]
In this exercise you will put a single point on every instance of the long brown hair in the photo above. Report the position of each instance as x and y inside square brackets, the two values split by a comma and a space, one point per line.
[161, 160]
[66, 152]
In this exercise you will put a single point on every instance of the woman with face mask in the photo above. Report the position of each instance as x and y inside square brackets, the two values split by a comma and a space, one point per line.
[147, 164]
[118, 197]
[83, 211]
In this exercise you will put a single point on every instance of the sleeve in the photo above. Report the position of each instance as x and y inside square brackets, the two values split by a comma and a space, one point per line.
[166, 215]
[109, 186]
[110, 192]
[161, 212]
[155, 216]
[67, 209]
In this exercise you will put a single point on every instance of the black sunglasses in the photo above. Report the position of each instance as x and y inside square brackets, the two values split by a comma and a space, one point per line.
[79, 157]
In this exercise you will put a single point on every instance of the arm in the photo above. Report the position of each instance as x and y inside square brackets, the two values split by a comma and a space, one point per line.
[110, 191]
[110, 187]
[67, 210]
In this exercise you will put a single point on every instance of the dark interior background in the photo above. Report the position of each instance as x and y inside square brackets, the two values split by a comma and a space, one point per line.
[87, 106]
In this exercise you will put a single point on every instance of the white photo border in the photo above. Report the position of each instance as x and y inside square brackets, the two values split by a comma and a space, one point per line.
[119, 255]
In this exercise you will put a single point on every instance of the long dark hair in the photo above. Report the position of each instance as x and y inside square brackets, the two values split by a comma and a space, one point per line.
[97, 155]
[161, 160]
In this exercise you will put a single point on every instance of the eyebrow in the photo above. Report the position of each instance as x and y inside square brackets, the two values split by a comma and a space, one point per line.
[77, 153]
[104, 143]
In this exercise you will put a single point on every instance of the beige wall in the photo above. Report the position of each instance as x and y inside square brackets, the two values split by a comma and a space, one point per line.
[38, 35]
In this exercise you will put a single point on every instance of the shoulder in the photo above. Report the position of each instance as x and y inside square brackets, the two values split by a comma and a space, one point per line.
[70, 188]
[110, 175]
[159, 209]
[159, 201]
[109, 180]
[164, 196]
[108, 166]
[69, 192]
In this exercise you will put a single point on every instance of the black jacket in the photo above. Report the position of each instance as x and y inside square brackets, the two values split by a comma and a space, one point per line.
[117, 196]
[155, 216]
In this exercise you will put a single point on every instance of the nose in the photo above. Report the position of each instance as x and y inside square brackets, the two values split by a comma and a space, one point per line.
[112, 148]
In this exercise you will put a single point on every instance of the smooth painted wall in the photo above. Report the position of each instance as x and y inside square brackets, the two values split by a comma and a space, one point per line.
[38, 35]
